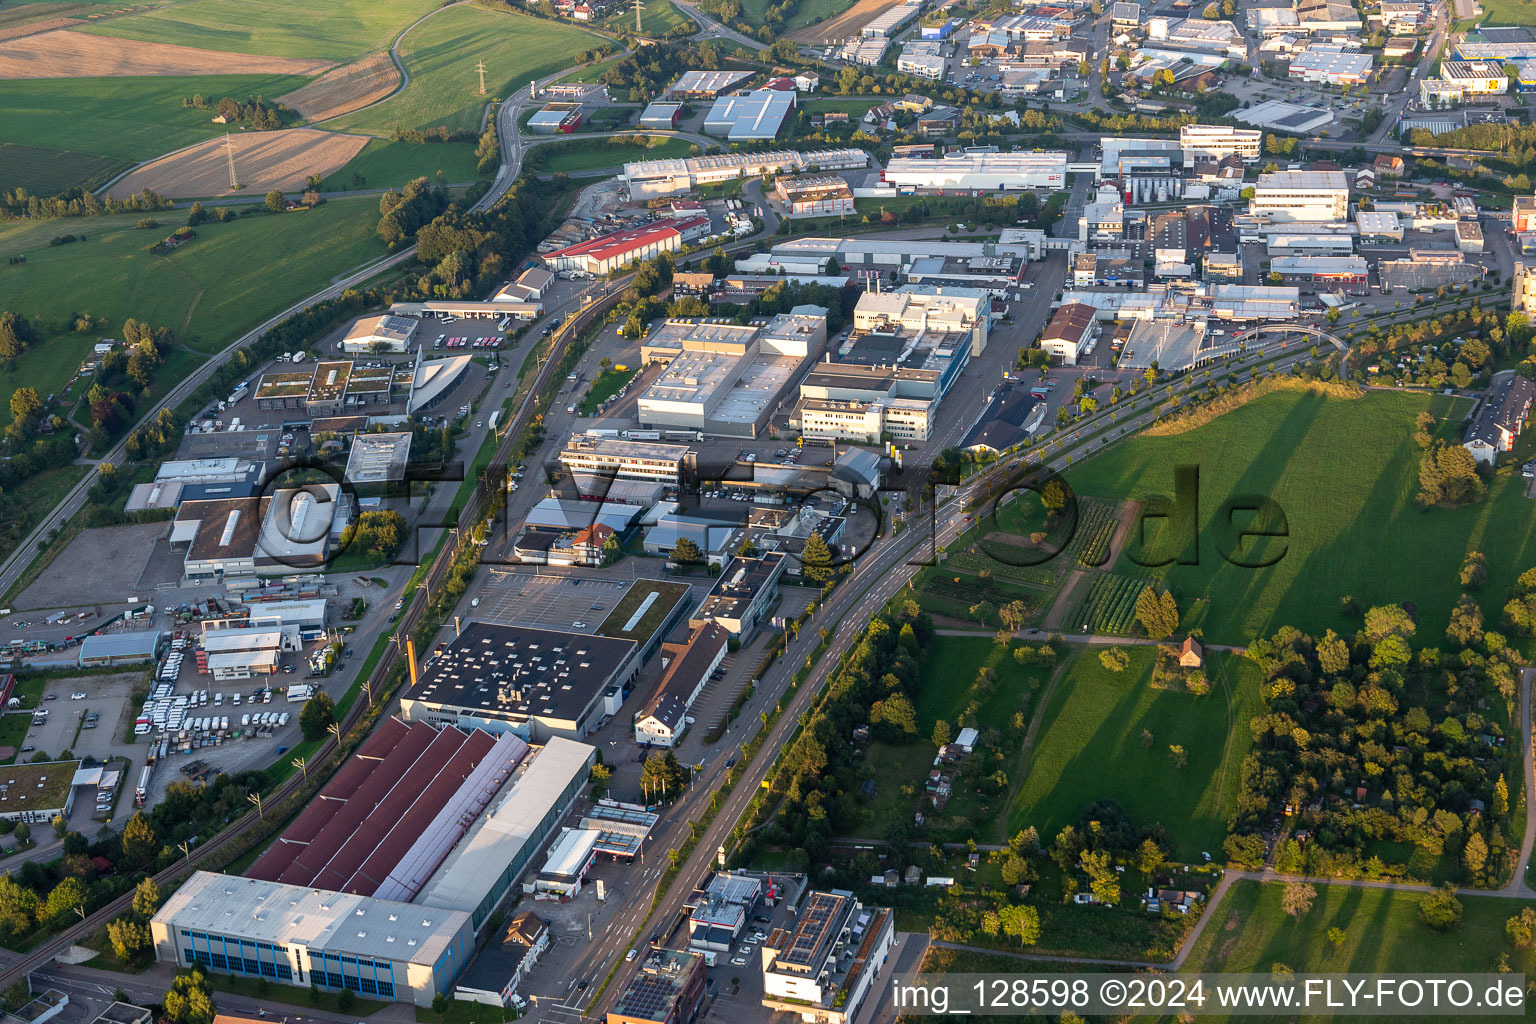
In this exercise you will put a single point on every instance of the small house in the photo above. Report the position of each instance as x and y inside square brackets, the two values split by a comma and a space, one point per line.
[1191, 654]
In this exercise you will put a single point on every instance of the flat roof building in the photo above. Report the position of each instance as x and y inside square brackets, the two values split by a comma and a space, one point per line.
[537, 683]
[597, 462]
[667, 989]
[378, 458]
[822, 969]
[617, 249]
[37, 793]
[755, 116]
[740, 599]
[678, 175]
[661, 115]
[298, 936]
[1213, 142]
[101, 650]
[1289, 196]
[703, 85]
[984, 171]
[1331, 66]
[814, 194]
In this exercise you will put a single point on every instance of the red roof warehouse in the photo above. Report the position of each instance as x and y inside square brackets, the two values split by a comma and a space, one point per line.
[609, 252]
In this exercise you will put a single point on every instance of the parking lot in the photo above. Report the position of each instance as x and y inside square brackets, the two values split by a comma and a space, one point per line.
[575, 603]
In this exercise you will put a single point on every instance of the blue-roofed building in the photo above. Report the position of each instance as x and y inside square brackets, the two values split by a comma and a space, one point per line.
[942, 31]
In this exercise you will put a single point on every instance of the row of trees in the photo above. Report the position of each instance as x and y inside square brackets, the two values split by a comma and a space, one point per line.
[16, 333]
[75, 202]
[378, 534]
[255, 111]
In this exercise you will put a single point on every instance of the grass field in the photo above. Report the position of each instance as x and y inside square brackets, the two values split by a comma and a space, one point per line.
[1509, 12]
[1090, 747]
[394, 163]
[210, 291]
[1345, 472]
[660, 19]
[578, 157]
[71, 135]
[950, 667]
[336, 31]
[853, 107]
[809, 12]
[604, 385]
[1381, 928]
[441, 54]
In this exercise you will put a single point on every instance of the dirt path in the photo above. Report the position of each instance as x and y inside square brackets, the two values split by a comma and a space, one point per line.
[1067, 598]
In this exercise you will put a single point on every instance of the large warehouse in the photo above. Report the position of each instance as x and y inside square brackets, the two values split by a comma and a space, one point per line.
[298, 936]
[379, 886]
[679, 175]
[991, 172]
[536, 683]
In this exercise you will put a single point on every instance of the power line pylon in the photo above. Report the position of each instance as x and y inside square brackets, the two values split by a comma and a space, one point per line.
[637, 17]
[229, 153]
[480, 67]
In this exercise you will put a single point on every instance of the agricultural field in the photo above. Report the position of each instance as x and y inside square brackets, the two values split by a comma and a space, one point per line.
[65, 53]
[334, 32]
[820, 21]
[345, 89]
[660, 19]
[951, 594]
[577, 157]
[1091, 746]
[1109, 607]
[1345, 473]
[1381, 933]
[71, 137]
[282, 160]
[210, 291]
[441, 54]
[386, 163]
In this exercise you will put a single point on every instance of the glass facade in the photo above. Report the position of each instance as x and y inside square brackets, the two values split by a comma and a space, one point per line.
[271, 960]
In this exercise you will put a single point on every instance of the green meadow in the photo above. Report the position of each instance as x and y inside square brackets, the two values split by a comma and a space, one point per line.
[228, 279]
[441, 55]
[336, 31]
[59, 132]
[1091, 747]
[1344, 472]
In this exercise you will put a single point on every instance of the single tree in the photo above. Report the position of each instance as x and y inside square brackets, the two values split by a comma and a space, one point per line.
[317, 716]
[1441, 910]
[1296, 898]
[275, 202]
[686, 552]
[1114, 659]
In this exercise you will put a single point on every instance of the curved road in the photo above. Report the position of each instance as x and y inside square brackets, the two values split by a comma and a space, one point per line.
[511, 166]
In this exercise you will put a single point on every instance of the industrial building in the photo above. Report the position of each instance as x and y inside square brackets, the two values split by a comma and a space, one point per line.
[705, 85]
[1500, 418]
[822, 970]
[667, 989]
[379, 886]
[1348, 274]
[241, 653]
[556, 119]
[1289, 196]
[892, 20]
[306, 614]
[723, 378]
[299, 936]
[102, 650]
[863, 254]
[661, 115]
[1330, 66]
[1011, 417]
[889, 376]
[38, 793]
[1171, 344]
[334, 386]
[1071, 332]
[662, 719]
[675, 176]
[742, 596]
[1215, 142]
[597, 462]
[810, 195]
[1476, 77]
[1379, 226]
[537, 683]
[372, 335]
[378, 458]
[755, 116]
[609, 252]
[721, 909]
[984, 171]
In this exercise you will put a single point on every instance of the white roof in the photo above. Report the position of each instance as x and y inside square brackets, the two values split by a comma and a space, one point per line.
[568, 853]
[498, 838]
[242, 659]
[336, 922]
[221, 640]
